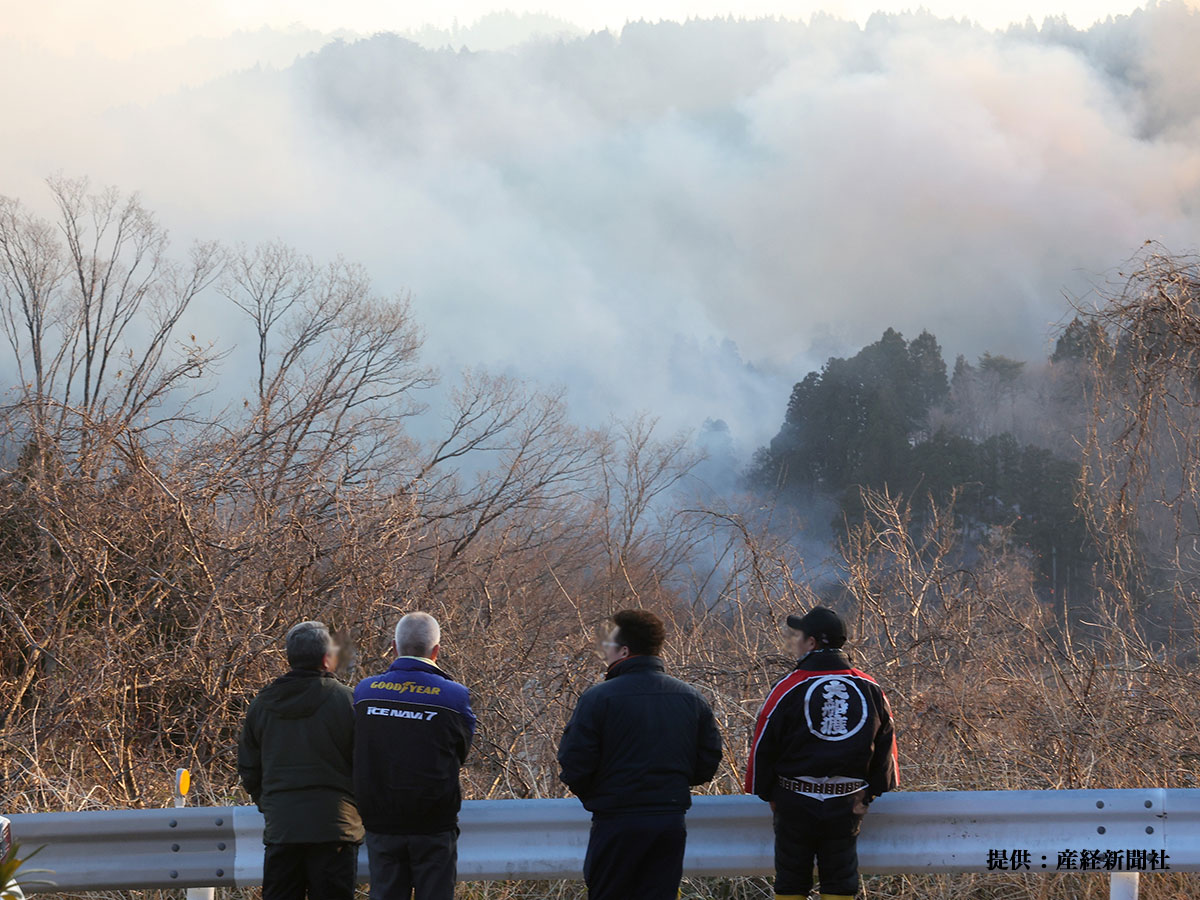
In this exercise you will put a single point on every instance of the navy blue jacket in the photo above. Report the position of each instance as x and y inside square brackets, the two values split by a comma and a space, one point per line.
[638, 741]
[412, 728]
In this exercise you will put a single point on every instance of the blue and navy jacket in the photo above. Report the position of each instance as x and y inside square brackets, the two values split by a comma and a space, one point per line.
[412, 728]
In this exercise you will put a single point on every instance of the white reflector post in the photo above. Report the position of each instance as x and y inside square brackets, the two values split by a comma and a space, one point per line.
[1124, 886]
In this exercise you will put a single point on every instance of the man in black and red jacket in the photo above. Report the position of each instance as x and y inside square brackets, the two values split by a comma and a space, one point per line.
[823, 749]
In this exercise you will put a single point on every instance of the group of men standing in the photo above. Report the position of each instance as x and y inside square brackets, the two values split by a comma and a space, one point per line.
[331, 768]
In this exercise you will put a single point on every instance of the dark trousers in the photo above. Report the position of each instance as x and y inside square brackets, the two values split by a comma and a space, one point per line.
[403, 863]
[635, 857]
[822, 830]
[325, 871]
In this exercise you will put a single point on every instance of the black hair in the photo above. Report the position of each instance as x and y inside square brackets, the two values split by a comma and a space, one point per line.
[640, 630]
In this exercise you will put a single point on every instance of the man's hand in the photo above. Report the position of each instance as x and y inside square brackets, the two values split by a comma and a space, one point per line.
[860, 808]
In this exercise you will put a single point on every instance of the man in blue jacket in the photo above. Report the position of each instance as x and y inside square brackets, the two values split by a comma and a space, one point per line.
[633, 748]
[413, 726]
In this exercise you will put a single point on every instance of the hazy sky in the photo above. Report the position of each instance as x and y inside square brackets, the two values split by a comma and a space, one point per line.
[679, 219]
[118, 27]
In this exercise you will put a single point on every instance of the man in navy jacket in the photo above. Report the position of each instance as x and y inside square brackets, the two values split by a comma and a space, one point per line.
[634, 746]
[413, 726]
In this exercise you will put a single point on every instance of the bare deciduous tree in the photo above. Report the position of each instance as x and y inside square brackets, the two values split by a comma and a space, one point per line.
[90, 305]
[1142, 452]
[145, 594]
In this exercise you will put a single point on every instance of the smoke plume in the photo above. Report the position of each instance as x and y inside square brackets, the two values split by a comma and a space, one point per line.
[679, 218]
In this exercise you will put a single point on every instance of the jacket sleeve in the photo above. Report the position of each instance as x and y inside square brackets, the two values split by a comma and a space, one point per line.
[882, 772]
[346, 727]
[250, 756]
[468, 734]
[764, 753]
[708, 747]
[579, 750]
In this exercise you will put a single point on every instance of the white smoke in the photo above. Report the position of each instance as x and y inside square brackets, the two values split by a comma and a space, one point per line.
[680, 218]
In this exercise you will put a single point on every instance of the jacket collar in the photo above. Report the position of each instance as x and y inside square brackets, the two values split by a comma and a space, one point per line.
[823, 661]
[413, 664]
[307, 673]
[634, 664]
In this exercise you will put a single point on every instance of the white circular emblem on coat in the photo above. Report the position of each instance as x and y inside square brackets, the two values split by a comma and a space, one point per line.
[841, 708]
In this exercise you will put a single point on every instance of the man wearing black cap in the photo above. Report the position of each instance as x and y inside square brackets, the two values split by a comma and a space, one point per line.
[823, 749]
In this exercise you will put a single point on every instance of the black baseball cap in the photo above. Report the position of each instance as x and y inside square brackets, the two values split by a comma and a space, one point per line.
[821, 623]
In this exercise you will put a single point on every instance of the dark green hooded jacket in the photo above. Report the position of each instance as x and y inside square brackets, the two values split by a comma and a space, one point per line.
[295, 757]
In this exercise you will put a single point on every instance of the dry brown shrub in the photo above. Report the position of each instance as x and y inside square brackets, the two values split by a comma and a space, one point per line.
[149, 572]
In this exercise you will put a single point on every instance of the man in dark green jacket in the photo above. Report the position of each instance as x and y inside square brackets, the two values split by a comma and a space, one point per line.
[295, 757]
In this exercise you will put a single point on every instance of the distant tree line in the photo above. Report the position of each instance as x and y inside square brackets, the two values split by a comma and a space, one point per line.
[890, 419]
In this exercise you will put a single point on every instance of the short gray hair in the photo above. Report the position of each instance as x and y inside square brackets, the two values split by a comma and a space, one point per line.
[308, 644]
[417, 634]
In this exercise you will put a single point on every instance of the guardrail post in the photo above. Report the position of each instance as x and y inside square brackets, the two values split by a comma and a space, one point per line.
[183, 784]
[1123, 886]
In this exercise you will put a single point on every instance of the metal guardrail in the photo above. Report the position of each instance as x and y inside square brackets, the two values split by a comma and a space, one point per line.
[905, 832]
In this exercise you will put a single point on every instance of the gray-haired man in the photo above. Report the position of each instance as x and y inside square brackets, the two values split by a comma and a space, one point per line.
[414, 725]
[295, 759]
